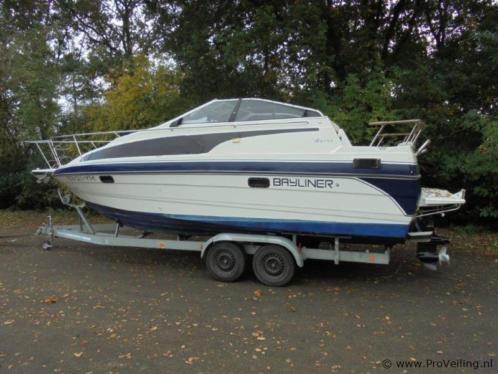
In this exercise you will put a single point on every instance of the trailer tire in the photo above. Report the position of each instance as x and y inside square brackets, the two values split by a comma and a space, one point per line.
[273, 265]
[225, 261]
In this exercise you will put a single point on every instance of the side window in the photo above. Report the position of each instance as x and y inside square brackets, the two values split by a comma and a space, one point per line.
[218, 111]
[259, 110]
[311, 113]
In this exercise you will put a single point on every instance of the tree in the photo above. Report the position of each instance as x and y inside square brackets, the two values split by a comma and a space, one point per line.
[28, 85]
[111, 31]
[70, 65]
[143, 97]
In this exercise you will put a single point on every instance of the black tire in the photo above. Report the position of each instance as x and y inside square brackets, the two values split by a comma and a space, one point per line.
[273, 265]
[225, 261]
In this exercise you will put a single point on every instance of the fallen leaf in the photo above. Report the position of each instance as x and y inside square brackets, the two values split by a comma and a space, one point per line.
[191, 360]
[50, 300]
[9, 322]
[78, 354]
[127, 355]
[258, 293]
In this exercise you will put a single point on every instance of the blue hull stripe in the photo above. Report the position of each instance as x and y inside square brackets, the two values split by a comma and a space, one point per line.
[212, 224]
[405, 192]
[302, 168]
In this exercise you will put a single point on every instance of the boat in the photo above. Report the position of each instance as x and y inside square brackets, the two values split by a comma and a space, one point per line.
[251, 165]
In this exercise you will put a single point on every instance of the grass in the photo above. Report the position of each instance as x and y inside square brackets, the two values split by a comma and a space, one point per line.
[30, 218]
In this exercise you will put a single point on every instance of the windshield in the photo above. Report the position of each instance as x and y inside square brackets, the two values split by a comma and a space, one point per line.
[244, 110]
[260, 110]
[217, 111]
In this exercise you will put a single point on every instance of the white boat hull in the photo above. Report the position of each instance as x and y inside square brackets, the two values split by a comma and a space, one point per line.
[323, 205]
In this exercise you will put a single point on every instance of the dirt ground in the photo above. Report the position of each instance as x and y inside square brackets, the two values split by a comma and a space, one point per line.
[85, 309]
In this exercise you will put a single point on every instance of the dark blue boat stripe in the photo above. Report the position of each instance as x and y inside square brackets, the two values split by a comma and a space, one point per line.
[189, 223]
[405, 192]
[304, 168]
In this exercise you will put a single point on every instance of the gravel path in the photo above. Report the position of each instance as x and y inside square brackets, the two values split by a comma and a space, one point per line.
[79, 308]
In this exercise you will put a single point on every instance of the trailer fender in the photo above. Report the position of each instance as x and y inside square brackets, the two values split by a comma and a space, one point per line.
[263, 239]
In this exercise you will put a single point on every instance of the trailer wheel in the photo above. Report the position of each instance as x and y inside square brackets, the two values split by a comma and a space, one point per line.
[225, 261]
[273, 265]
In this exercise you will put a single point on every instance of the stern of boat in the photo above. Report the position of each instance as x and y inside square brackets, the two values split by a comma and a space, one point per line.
[432, 249]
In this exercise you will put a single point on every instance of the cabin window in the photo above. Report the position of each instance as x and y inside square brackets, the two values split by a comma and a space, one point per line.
[261, 110]
[217, 111]
[106, 179]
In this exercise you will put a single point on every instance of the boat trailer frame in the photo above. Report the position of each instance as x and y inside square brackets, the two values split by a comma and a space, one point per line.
[110, 235]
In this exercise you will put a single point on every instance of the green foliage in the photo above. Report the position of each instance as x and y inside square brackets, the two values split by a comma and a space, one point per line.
[70, 66]
[28, 85]
[480, 167]
[34, 195]
[141, 97]
[356, 104]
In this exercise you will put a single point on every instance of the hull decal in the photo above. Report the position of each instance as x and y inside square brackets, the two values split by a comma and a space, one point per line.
[179, 145]
[405, 192]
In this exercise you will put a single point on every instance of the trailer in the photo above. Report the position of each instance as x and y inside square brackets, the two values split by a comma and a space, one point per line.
[226, 255]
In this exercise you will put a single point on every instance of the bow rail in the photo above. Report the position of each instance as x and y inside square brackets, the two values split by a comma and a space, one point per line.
[63, 148]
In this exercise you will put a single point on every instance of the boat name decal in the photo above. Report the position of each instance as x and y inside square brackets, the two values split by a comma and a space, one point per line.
[303, 182]
[81, 178]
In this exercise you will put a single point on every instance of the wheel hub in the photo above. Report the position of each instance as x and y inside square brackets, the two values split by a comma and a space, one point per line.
[273, 264]
[225, 261]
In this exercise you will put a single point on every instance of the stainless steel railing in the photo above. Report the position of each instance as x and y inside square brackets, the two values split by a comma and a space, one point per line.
[407, 130]
[63, 148]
